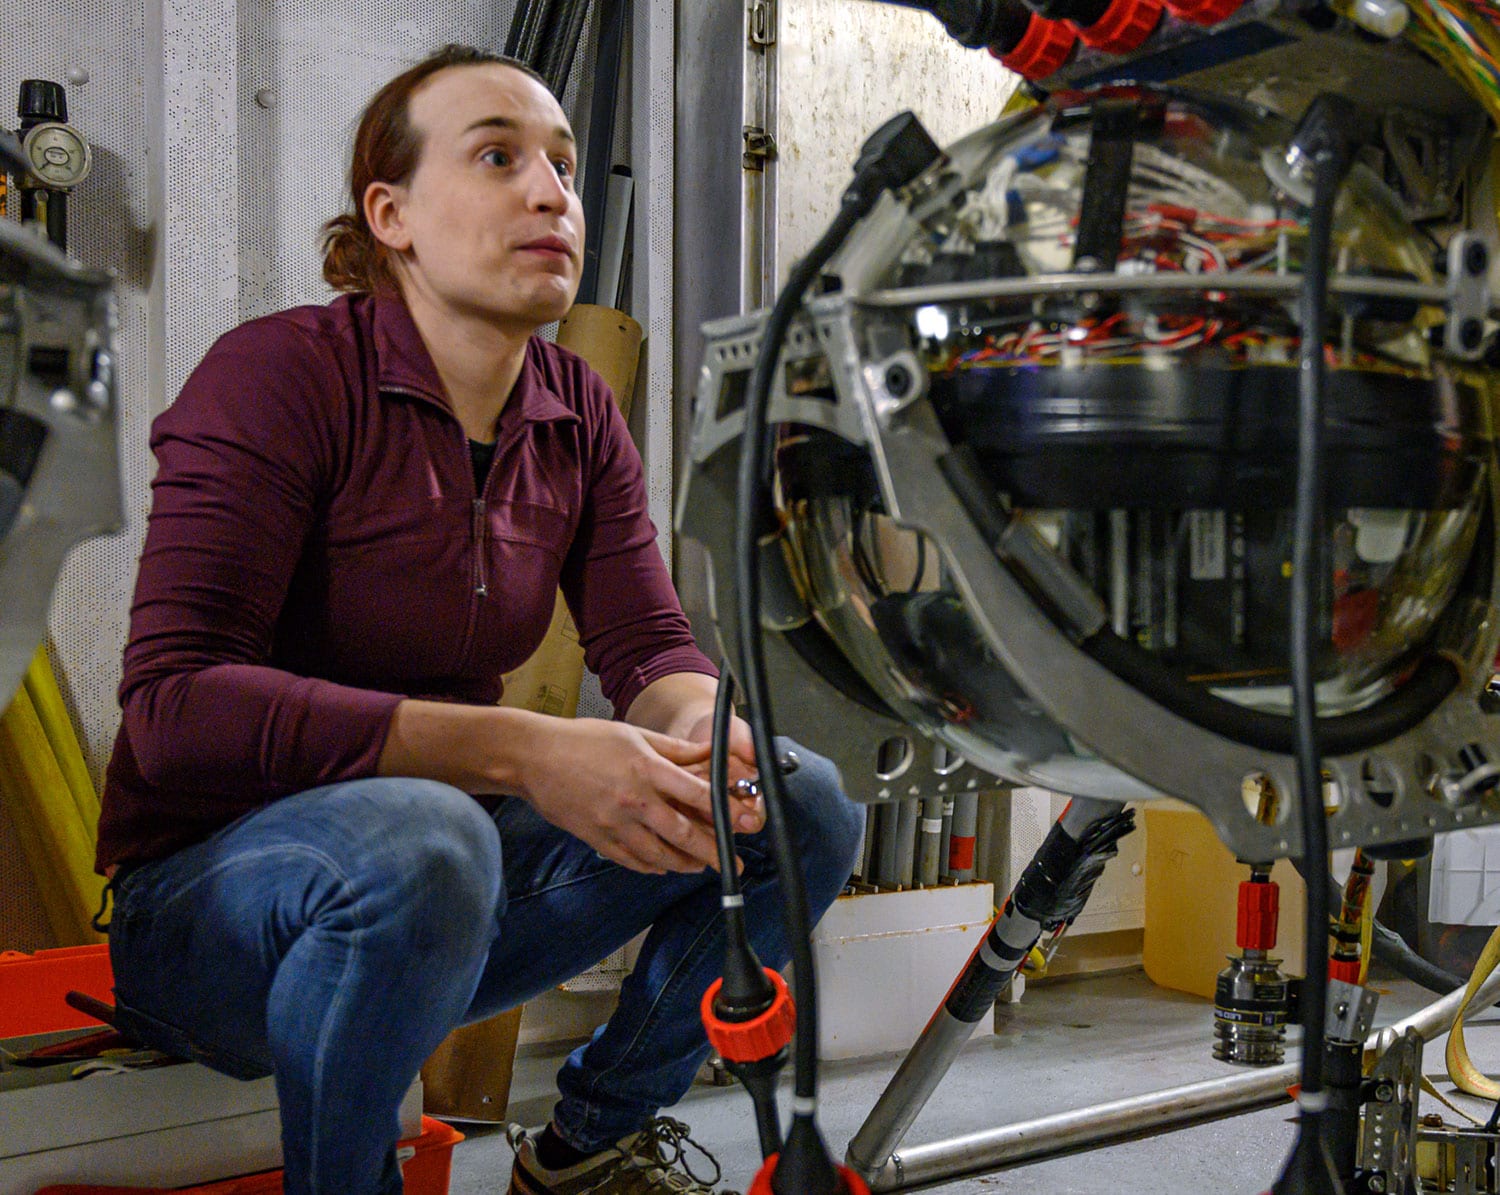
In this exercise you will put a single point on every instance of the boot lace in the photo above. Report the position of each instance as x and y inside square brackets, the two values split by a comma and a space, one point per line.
[652, 1158]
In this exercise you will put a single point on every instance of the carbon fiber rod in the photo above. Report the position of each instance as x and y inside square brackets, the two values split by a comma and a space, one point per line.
[1010, 938]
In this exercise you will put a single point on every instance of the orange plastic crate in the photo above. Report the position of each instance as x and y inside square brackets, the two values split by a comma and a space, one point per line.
[426, 1171]
[32, 987]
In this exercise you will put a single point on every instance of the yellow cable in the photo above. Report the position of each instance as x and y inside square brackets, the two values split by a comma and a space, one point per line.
[42, 688]
[1461, 1068]
[1366, 937]
[58, 846]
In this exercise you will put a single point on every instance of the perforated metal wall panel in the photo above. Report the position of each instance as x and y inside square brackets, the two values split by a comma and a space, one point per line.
[98, 50]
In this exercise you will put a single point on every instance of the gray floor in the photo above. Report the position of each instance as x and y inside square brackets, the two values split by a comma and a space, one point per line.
[1066, 1045]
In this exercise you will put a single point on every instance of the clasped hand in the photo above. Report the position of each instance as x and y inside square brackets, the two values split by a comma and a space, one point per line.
[638, 797]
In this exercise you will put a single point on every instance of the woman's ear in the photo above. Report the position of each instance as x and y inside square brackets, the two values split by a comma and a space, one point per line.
[385, 214]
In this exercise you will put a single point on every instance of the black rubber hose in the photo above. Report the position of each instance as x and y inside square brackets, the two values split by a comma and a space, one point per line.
[1390, 948]
[1343, 734]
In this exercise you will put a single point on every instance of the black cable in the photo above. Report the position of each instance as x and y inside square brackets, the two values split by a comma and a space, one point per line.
[744, 988]
[754, 461]
[718, 783]
[1309, 1161]
[1390, 948]
[893, 155]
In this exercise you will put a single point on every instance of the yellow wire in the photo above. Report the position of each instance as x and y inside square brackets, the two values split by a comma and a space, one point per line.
[1448, 47]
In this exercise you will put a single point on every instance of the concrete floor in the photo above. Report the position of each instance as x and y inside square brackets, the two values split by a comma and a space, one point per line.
[1065, 1045]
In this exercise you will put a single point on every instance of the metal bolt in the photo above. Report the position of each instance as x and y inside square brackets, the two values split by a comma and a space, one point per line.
[1384, 1092]
[788, 762]
[1476, 258]
[1375, 1184]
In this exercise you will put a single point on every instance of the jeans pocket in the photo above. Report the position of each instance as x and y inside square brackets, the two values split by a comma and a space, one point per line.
[176, 1041]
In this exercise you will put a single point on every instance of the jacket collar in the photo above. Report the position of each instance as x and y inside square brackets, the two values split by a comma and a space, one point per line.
[402, 363]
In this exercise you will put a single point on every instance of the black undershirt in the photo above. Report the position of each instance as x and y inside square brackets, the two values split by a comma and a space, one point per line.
[482, 456]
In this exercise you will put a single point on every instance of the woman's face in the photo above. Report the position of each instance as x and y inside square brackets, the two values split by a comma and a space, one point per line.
[488, 224]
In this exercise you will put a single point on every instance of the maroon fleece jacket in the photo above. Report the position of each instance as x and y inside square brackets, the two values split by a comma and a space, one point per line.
[317, 551]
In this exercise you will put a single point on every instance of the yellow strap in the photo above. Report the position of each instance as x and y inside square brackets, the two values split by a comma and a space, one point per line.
[1430, 1089]
[1465, 1075]
[57, 725]
[57, 844]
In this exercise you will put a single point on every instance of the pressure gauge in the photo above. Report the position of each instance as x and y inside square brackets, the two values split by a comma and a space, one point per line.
[60, 157]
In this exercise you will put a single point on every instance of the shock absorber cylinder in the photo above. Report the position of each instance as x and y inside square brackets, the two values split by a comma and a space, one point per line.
[1252, 999]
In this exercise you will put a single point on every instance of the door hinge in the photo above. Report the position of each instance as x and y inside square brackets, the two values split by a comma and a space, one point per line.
[760, 148]
[762, 22]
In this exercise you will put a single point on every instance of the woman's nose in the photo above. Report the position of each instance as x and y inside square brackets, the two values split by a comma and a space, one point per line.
[546, 188]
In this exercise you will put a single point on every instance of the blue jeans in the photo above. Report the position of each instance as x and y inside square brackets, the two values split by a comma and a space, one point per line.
[335, 937]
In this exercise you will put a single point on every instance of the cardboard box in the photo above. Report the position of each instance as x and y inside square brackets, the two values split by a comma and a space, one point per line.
[468, 1076]
[885, 961]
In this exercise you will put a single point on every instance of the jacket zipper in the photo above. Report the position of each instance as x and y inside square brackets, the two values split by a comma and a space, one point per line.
[481, 529]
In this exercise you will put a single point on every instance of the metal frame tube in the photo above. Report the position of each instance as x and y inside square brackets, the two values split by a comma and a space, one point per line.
[1137, 1116]
[991, 965]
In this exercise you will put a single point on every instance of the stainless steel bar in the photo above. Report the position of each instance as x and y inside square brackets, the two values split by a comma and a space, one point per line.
[1284, 285]
[1135, 1116]
[931, 841]
[908, 1091]
[906, 841]
[973, 993]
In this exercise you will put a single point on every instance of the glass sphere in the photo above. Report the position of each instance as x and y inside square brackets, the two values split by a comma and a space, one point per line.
[1145, 435]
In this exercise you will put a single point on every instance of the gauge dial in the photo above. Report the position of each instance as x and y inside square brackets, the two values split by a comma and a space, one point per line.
[58, 154]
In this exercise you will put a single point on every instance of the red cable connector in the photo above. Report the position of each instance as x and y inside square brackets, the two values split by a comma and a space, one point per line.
[1344, 969]
[755, 1039]
[1203, 12]
[1123, 27]
[849, 1182]
[1042, 49]
[1259, 910]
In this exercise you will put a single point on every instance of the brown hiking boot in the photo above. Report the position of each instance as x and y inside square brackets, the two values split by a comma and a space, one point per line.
[651, 1162]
